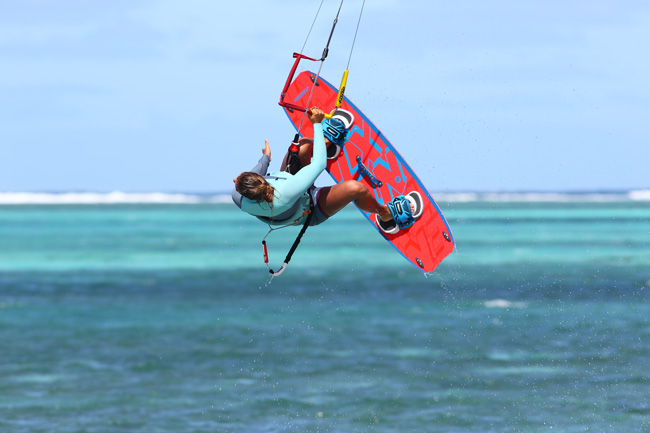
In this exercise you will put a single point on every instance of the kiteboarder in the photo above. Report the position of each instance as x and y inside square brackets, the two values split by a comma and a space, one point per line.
[282, 198]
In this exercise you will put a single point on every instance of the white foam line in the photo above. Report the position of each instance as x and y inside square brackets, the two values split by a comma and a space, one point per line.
[116, 197]
[545, 197]
[502, 303]
[641, 195]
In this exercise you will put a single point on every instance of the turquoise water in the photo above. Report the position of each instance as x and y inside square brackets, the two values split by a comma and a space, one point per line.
[162, 318]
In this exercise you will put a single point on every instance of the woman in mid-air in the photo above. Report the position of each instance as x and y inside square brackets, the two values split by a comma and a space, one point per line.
[283, 198]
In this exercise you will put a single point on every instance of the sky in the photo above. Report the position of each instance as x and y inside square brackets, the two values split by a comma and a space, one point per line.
[178, 96]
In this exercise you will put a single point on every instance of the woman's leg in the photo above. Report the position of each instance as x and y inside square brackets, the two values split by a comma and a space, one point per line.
[334, 198]
[305, 150]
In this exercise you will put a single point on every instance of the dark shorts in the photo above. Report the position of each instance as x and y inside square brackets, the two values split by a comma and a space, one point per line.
[319, 215]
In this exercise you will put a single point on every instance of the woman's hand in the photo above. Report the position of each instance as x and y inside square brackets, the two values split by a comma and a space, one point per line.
[267, 149]
[316, 115]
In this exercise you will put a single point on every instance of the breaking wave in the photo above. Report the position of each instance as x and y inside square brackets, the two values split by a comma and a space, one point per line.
[117, 197]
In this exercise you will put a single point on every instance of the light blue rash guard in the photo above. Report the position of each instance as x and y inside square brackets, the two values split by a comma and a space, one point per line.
[291, 199]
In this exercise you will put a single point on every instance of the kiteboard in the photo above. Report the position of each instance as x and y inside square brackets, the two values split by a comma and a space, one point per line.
[370, 158]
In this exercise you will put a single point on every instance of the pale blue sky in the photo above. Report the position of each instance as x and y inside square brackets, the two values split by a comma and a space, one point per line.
[179, 95]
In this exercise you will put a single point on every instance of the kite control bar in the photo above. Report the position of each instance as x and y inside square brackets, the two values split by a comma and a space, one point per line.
[282, 102]
[339, 99]
[292, 107]
[299, 56]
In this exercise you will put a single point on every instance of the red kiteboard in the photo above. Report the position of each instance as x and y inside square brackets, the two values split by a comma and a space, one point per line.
[370, 158]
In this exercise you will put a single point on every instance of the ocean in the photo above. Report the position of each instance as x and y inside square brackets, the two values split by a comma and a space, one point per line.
[156, 313]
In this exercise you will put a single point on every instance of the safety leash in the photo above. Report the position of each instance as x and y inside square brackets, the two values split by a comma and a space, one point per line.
[310, 214]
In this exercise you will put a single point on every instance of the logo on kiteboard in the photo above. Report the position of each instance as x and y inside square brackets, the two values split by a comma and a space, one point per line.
[301, 94]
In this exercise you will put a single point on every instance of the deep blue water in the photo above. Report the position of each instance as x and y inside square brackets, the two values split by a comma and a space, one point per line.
[162, 318]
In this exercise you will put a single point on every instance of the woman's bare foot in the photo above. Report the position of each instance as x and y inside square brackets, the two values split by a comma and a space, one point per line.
[385, 214]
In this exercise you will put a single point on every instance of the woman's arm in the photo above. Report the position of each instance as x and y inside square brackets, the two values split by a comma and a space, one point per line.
[296, 186]
[262, 167]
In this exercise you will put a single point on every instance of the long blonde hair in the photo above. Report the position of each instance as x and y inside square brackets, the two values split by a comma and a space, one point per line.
[254, 187]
